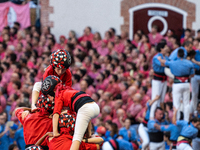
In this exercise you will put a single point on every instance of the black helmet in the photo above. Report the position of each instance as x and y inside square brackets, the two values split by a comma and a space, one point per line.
[49, 84]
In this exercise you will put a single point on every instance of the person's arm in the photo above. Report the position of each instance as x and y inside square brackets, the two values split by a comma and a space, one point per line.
[40, 141]
[162, 61]
[4, 132]
[192, 72]
[35, 95]
[55, 125]
[196, 62]
[94, 140]
[155, 99]
[174, 116]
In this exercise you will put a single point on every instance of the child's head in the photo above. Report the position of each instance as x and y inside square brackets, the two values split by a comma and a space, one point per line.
[101, 130]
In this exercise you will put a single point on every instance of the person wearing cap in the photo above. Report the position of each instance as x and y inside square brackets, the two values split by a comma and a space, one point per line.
[189, 131]
[156, 136]
[101, 130]
[66, 126]
[77, 101]
[36, 124]
[60, 62]
[181, 85]
[159, 82]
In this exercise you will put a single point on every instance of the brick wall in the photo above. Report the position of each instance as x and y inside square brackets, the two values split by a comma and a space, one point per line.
[45, 11]
[125, 6]
[182, 4]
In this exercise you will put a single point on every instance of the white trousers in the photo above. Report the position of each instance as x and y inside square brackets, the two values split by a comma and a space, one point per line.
[158, 88]
[184, 146]
[181, 91]
[157, 146]
[143, 133]
[84, 115]
[196, 143]
[195, 82]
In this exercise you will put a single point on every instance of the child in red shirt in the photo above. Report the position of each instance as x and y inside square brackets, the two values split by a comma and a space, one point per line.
[36, 124]
[64, 141]
[60, 62]
[78, 102]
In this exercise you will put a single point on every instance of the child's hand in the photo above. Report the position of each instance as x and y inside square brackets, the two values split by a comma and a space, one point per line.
[50, 134]
[157, 97]
[24, 114]
[56, 134]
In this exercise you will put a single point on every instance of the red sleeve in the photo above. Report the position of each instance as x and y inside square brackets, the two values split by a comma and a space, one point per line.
[68, 81]
[58, 103]
[90, 146]
[18, 114]
[47, 140]
[48, 71]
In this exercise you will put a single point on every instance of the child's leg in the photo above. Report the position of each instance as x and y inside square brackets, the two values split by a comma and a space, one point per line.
[84, 115]
[55, 125]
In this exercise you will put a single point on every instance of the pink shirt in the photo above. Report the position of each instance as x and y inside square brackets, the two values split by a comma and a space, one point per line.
[102, 51]
[155, 40]
[141, 114]
[86, 38]
[119, 48]
[114, 89]
[134, 109]
[144, 100]
[3, 102]
[19, 54]
[96, 44]
[135, 43]
[76, 86]
[23, 41]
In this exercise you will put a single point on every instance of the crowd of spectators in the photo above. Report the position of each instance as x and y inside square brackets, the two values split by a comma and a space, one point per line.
[114, 70]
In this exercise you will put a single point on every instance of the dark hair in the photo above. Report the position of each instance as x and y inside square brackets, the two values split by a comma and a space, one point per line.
[160, 45]
[126, 85]
[83, 71]
[98, 96]
[36, 38]
[115, 77]
[158, 108]
[13, 57]
[187, 43]
[198, 31]
[97, 66]
[77, 77]
[26, 94]
[103, 76]
[18, 65]
[18, 84]
[122, 67]
[17, 23]
[1, 69]
[145, 67]
[12, 146]
[146, 36]
[124, 55]
[195, 119]
[89, 28]
[167, 134]
[145, 89]
[4, 45]
[107, 73]
[114, 129]
[6, 64]
[112, 66]
[109, 57]
[113, 30]
[189, 30]
[170, 104]
[118, 96]
[116, 60]
[119, 37]
[15, 97]
[88, 45]
[181, 53]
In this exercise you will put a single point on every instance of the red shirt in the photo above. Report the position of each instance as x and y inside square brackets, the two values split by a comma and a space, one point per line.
[35, 125]
[64, 142]
[65, 77]
[64, 99]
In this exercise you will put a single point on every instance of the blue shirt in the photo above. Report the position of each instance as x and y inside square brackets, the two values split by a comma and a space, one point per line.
[174, 131]
[124, 145]
[124, 132]
[156, 63]
[197, 58]
[188, 130]
[181, 67]
[174, 54]
[109, 137]
[4, 140]
[150, 125]
[19, 138]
